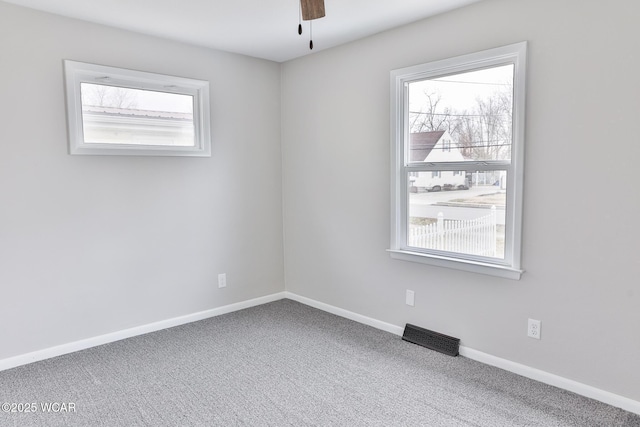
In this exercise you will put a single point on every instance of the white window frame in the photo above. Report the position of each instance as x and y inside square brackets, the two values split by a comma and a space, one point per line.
[509, 267]
[77, 73]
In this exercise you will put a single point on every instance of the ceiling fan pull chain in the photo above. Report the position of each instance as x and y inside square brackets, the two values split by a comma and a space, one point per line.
[310, 10]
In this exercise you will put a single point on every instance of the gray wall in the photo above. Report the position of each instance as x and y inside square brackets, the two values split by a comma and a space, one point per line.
[96, 244]
[581, 203]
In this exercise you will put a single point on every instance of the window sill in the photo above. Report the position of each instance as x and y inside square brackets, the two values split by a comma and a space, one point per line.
[458, 264]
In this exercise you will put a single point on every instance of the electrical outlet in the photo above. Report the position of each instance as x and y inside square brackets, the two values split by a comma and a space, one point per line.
[533, 330]
[222, 280]
[410, 298]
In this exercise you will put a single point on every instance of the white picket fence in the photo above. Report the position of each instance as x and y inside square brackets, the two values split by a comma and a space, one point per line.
[474, 237]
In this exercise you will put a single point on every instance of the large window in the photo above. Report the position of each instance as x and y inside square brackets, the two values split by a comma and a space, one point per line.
[457, 161]
[117, 111]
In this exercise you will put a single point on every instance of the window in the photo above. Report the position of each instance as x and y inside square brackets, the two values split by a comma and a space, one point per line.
[457, 136]
[113, 111]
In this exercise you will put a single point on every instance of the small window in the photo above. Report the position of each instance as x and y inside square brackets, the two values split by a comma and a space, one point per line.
[114, 111]
[458, 147]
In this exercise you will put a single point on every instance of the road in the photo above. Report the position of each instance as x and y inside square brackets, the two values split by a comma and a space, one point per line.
[424, 205]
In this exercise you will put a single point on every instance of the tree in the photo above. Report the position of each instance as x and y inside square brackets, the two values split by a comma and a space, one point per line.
[436, 117]
[108, 96]
[484, 132]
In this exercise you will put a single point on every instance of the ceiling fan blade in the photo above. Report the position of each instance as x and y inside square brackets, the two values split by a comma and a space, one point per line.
[312, 9]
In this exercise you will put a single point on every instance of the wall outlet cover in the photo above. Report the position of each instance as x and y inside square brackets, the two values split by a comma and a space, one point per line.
[411, 298]
[533, 329]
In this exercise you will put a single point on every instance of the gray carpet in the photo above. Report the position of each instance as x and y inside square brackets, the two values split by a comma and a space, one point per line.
[286, 364]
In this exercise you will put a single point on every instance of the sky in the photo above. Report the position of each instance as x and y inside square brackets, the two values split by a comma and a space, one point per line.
[144, 99]
[459, 91]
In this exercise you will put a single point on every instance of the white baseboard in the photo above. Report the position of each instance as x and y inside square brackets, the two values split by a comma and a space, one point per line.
[397, 330]
[59, 350]
[554, 380]
[517, 368]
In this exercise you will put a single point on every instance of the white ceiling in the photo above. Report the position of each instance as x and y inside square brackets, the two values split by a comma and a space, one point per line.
[260, 28]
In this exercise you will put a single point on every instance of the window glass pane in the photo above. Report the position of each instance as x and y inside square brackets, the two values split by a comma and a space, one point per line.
[460, 212]
[119, 115]
[466, 116]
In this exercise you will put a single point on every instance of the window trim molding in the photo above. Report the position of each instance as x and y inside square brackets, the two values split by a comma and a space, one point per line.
[76, 73]
[514, 54]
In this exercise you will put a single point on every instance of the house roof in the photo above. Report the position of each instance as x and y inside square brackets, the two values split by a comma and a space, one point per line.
[421, 144]
[131, 112]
